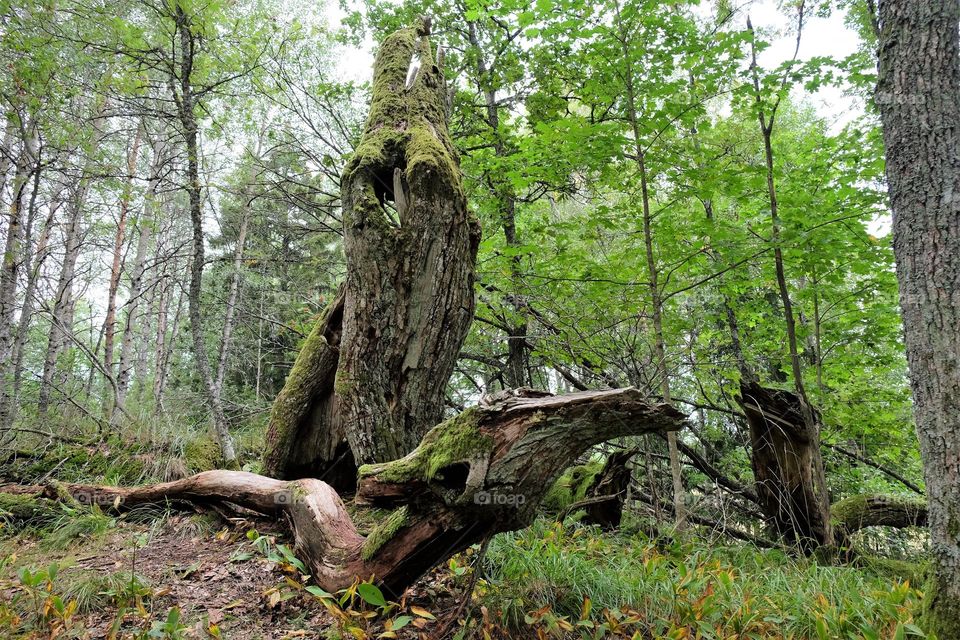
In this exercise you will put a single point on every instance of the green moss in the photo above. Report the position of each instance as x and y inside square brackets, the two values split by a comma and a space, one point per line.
[851, 511]
[405, 128]
[201, 455]
[940, 613]
[892, 569]
[383, 532]
[848, 509]
[118, 463]
[342, 385]
[454, 440]
[953, 526]
[20, 512]
[304, 383]
[571, 486]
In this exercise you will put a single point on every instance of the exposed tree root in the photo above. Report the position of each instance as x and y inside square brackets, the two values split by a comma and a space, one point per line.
[477, 474]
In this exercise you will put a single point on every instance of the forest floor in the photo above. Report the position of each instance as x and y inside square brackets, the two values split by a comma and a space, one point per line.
[70, 571]
[228, 581]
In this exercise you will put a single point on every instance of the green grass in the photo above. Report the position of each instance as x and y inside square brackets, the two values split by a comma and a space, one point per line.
[544, 574]
[93, 590]
[74, 523]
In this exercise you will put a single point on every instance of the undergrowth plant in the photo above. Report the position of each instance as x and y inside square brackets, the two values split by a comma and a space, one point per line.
[575, 582]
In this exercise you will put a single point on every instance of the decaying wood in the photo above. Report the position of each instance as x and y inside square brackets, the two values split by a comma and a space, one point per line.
[875, 510]
[410, 244]
[305, 436]
[785, 466]
[479, 473]
[609, 490]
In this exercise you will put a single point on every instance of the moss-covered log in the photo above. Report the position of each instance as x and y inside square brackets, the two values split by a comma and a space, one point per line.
[474, 475]
[858, 512]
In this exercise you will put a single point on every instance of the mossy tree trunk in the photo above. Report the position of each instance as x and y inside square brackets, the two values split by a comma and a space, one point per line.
[408, 299]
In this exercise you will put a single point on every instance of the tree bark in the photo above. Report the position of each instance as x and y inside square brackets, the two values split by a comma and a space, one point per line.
[12, 258]
[186, 103]
[137, 273]
[612, 483]
[34, 264]
[61, 314]
[109, 323]
[477, 474]
[918, 94]
[306, 436]
[229, 314]
[64, 303]
[785, 461]
[408, 297]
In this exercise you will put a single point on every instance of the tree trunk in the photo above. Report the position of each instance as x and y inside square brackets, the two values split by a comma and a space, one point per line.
[229, 314]
[659, 351]
[10, 269]
[186, 103]
[109, 323]
[64, 304]
[34, 264]
[306, 436]
[408, 296]
[145, 231]
[785, 461]
[61, 314]
[517, 370]
[609, 491]
[477, 474]
[918, 94]
[811, 518]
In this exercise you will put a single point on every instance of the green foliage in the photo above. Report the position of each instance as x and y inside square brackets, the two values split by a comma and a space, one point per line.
[555, 579]
[80, 522]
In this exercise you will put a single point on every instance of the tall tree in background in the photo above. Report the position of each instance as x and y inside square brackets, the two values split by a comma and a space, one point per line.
[918, 93]
[786, 455]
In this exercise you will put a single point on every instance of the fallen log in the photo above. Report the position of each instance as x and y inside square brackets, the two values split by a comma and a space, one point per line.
[875, 510]
[482, 472]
